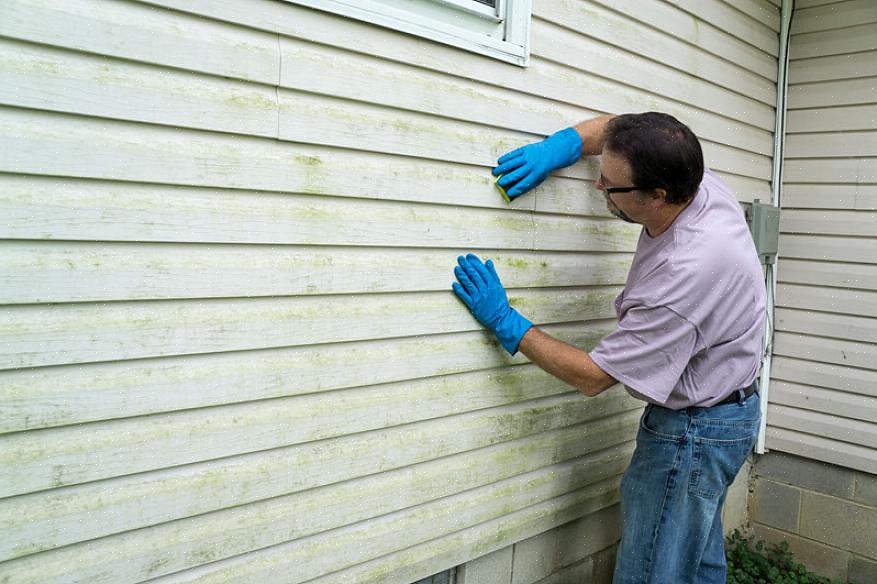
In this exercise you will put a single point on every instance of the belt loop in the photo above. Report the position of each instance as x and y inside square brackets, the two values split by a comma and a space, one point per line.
[741, 396]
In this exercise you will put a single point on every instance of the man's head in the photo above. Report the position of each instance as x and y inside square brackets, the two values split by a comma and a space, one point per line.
[662, 153]
[650, 161]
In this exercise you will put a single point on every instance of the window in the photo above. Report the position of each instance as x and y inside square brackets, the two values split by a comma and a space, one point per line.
[496, 28]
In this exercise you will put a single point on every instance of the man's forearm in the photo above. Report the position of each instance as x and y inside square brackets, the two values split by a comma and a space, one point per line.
[592, 134]
[565, 362]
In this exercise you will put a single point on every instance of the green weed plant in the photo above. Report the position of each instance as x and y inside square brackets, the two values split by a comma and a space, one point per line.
[761, 563]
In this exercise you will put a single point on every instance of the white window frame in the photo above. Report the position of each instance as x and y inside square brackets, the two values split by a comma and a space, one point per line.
[502, 33]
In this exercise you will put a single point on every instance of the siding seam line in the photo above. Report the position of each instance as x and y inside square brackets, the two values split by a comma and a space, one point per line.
[277, 86]
[512, 567]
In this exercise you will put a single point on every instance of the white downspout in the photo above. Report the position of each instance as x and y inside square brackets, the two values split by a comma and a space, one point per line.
[776, 192]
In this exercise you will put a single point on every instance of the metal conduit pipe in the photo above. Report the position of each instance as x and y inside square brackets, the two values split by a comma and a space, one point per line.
[776, 194]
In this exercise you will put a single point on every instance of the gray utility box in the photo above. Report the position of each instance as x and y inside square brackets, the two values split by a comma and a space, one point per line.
[764, 223]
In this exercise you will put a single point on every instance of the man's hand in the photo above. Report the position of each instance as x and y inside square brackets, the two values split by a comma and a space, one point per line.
[526, 167]
[479, 288]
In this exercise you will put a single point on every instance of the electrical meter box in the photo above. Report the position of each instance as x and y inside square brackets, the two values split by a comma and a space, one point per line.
[764, 223]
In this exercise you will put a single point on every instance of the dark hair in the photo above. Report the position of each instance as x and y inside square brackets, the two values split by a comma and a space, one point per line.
[663, 153]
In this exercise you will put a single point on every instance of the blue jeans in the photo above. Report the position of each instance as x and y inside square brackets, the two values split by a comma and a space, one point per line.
[673, 492]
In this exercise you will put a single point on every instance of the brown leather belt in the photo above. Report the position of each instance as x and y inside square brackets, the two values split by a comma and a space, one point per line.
[740, 394]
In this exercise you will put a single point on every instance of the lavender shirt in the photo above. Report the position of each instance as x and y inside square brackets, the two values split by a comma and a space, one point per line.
[691, 316]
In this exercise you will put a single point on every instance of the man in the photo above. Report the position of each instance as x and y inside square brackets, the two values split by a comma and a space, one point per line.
[688, 340]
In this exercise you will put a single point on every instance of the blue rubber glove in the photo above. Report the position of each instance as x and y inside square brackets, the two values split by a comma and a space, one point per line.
[525, 168]
[481, 291]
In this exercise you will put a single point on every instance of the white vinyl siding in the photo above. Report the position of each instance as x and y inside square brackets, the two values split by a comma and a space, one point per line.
[230, 349]
[823, 396]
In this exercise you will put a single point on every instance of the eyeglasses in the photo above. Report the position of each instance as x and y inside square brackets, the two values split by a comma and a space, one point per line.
[610, 190]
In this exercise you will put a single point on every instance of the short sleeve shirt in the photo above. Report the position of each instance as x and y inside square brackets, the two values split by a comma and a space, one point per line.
[691, 315]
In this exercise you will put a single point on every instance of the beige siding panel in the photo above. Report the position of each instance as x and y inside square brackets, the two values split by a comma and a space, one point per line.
[764, 11]
[819, 448]
[70, 455]
[838, 275]
[833, 144]
[801, 4]
[552, 232]
[859, 197]
[843, 92]
[704, 73]
[72, 209]
[834, 171]
[710, 37]
[754, 22]
[821, 44]
[853, 328]
[718, 156]
[141, 33]
[219, 535]
[836, 351]
[63, 395]
[40, 272]
[275, 519]
[40, 77]
[806, 397]
[76, 210]
[825, 248]
[745, 188]
[826, 375]
[823, 18]
[859, 302]
[136, 152]
[849, 223]
[325, 553]
[835, 67]
[81, 210]
[81, 333]
[851, 118]
[312, 119]
[828, 426]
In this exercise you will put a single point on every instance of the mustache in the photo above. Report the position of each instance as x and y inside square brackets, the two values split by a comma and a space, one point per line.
[616, 212]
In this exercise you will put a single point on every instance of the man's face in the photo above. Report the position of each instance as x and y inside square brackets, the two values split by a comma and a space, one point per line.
[615, 172]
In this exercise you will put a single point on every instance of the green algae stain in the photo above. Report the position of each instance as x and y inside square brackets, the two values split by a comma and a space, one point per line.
[517, 301]
[251, 100]
[314, 174]
[517, 263]
[309, 161]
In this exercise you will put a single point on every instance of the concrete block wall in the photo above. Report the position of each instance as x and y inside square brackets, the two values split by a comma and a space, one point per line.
[580, 551]
[827, 513]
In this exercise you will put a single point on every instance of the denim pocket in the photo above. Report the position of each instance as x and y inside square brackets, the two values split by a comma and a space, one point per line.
[662, 424]
[715, 462]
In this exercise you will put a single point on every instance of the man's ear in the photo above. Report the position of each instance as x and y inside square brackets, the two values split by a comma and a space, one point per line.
[659, 195]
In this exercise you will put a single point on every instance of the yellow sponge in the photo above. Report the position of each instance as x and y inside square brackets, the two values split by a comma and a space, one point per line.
[504, 194]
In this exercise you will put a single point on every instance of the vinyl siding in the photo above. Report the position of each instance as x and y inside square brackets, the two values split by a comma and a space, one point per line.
[230, 350]
[823, 397]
